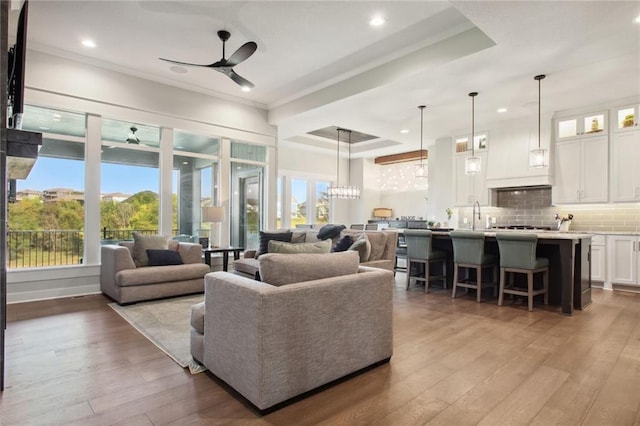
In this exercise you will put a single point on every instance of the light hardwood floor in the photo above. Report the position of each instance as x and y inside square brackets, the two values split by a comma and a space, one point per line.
[455, 362]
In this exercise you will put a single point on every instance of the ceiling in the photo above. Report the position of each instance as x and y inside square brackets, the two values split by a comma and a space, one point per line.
[319, 63]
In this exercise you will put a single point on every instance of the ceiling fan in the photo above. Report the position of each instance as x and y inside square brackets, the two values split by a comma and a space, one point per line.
[224, 65]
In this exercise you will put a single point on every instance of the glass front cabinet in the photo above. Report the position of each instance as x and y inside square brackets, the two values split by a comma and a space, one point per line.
[581, 126]
[625, 118]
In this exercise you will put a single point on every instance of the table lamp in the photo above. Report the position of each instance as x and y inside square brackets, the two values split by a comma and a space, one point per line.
[212, 214]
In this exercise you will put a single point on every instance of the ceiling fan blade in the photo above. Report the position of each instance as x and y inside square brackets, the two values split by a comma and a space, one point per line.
[240, 80]
[241, 54]
[186, 63]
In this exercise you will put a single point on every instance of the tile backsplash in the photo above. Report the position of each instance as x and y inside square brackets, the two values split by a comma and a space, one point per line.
[534, 208]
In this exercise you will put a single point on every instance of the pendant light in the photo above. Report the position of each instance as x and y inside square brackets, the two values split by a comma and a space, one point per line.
[537, 156]
[421, 170]
[345, 192]
[472, 164]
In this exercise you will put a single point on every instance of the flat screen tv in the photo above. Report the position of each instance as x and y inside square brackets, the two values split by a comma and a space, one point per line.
[16, 63]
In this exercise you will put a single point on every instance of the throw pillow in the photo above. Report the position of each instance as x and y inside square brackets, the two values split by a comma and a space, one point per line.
[343, 245]
[164, 257]
[265, 237]
[330, 231]
[293, 248]
[363, 247]
[142, 243]
[279, 269]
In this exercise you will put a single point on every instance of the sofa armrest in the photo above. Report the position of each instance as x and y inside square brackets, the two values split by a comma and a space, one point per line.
[113, 259]
[190, 252]
[249, 254]
[272, 343]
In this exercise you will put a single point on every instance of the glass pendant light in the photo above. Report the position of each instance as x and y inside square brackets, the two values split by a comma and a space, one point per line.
[472, 164]
[421, 169]
[537, 156]
[345, 192]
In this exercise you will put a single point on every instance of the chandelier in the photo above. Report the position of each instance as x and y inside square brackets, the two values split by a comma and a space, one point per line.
[345, 192]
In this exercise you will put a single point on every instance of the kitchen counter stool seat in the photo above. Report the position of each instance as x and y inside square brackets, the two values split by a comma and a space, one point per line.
[518, 255]
[420, 252]
[468, 253]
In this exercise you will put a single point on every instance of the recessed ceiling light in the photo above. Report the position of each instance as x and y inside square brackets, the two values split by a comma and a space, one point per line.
[637, 20]
[88, 43]
[501, 110]
[246, 89]
[377, 21]
[404, 131]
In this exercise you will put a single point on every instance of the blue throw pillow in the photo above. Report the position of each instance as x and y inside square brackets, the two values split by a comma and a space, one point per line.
[265, 237]
[343, 245]
[164, 257]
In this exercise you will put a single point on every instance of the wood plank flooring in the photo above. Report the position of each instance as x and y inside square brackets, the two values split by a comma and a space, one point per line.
[456, 362]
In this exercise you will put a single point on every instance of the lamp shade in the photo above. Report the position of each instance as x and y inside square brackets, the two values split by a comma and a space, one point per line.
[212, 214]
[382, 212]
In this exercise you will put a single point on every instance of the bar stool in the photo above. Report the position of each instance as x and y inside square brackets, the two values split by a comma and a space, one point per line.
[401, 253]
[468, 253]
[518, 254]
[419, 252]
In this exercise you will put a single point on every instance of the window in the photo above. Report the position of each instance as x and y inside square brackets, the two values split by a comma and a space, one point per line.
[308, 202]
[130, 180]
[46, 210]
[298, 202]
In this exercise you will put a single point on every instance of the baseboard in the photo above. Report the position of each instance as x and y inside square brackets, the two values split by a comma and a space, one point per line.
[53, 293]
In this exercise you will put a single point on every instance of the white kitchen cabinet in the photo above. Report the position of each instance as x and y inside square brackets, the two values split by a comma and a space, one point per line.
[581, 125]
[625, 166]
[625, 118]
[581, 170]
[623, 259]
[598, 258]
[471, 188]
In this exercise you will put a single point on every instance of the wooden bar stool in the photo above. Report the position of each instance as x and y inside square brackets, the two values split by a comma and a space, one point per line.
[419, 251]
[468, 253]
[518, 255]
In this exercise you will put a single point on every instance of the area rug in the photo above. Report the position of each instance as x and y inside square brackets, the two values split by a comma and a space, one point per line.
[166, 323]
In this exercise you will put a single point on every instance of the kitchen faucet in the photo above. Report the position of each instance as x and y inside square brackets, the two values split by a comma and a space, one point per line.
[473, 220]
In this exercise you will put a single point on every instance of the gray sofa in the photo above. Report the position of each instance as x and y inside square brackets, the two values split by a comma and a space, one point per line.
[122, 281]
[272, 343]
[383, 249]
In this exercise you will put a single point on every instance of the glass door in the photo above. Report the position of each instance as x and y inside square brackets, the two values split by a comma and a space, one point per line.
[247, 208]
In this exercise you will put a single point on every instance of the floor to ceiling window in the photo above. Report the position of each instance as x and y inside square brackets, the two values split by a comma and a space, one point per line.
[308, 203]
[46, 210]
[129, 179]
[195, 183]
[247, 193]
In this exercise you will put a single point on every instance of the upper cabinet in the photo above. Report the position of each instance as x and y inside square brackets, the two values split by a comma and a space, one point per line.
[581, 125]
[625, 166]
[581, 160]
[625, 118]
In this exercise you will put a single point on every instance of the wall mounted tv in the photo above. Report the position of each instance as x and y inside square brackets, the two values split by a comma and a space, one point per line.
[16, 71]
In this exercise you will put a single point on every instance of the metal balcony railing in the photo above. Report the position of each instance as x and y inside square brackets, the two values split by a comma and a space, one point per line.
[37, 249]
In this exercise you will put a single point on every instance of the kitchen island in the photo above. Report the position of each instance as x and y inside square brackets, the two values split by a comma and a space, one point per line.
[569, 263]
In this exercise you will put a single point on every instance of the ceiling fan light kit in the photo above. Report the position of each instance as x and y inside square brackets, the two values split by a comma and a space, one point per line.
[132, 138]
[225, 65]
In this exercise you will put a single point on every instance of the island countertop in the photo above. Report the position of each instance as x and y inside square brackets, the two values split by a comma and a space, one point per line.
[554, 235]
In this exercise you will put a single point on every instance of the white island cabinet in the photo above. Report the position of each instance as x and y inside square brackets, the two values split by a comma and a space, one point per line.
[624, 259]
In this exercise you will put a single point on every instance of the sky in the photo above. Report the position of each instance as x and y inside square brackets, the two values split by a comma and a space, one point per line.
[49, 173]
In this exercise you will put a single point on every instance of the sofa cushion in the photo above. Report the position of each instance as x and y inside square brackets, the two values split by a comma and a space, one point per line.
[299, 237]
[330, 231]
[265, 237]
[142, 243]
[279, 269]
[291, 248]
[343, 245]
[164, 257]
[161, 274]
[246, 265]
[363, 247]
